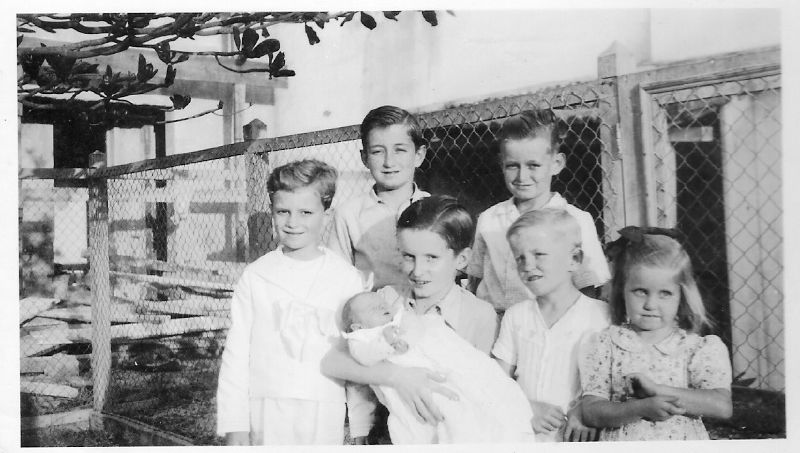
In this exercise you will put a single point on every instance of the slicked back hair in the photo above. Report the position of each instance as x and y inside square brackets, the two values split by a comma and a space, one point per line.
[443, 215]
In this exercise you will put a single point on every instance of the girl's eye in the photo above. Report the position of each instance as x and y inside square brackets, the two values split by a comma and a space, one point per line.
[533, 166]
[306, 212]
[665, 294]
[639, 292]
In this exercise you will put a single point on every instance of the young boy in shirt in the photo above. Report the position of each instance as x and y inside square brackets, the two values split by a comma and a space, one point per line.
[364, 227]
[529, 158]
[540, 338]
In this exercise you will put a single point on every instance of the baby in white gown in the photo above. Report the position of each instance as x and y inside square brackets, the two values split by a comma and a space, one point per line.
[491, 406]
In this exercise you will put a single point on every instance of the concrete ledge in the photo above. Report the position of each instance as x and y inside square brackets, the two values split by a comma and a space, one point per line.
[80, 418]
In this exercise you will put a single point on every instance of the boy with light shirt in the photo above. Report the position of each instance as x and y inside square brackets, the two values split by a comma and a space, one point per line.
[364, 226]
[530, 160]
[540, 338]
[284, 317]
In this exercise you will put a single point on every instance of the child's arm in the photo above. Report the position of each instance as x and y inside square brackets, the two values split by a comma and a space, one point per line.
[701, 402]
[414, 385]
[576, 430]
[233, 401]
[602, 413]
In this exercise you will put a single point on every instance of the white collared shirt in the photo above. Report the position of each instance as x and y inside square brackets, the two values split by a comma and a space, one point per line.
[365, 234]
[493, 262]
[546, 358]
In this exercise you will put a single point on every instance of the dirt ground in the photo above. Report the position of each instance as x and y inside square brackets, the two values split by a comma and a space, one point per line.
[183, 403]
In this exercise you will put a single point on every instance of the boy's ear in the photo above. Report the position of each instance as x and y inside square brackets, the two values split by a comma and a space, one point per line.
[577, 257]
[363, 153]
[559, 161]
[462, 258]
[419, 155]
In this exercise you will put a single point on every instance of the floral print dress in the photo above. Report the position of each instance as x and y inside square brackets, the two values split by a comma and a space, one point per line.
[683, 360]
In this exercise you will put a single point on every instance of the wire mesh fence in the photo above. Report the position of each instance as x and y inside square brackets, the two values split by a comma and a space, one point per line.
[717, 176]
[178, 237]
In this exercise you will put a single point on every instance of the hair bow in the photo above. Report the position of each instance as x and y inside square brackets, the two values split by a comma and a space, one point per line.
[635, 234]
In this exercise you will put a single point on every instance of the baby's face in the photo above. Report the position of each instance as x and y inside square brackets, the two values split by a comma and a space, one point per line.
[371, 310]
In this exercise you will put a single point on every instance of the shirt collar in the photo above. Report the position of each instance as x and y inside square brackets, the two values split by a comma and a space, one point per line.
[508, 208]
[416, 194]
[624, 337]
[447, 307]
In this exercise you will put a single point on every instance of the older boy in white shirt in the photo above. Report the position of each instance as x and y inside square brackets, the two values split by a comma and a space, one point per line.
[529, 160]
[364, 227]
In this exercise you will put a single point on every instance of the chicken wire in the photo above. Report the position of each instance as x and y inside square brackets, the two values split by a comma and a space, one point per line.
[716, 152]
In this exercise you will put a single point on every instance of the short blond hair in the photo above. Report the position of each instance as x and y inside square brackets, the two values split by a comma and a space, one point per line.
[561, 222]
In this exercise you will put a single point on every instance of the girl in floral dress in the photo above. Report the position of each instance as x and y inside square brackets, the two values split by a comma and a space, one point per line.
[650, 376]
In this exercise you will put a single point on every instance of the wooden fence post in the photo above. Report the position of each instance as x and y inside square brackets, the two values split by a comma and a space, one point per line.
[101, 290]
[259, 222]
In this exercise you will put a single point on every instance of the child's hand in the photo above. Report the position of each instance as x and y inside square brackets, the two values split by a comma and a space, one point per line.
[237, 438]
[575, 430]
[400, 346]
[416, 386]
[660, 408]
[546, 417]
[640, 386]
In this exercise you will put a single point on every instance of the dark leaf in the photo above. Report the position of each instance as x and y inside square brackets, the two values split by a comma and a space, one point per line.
[181, 58]
[265, 32]
[141, 67]
[61, 65]
[237, 38]
[392, 15]
[430, 17]
[312, 35]
[219, 105]
[179, 101]
[31, 64]
[25, 30]
[249, 39]
[19, 40]
[163, 52]
[169, 78]
[320, 23]
[83, 67]
[284, 73]
[347, 18]
[277, 63]
[269, 45]
[368, 21]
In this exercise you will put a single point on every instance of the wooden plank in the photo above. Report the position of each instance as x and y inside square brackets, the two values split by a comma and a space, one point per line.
[196, 306]
[47, 388]
[129, 331]
[119, 313]
[39, 323]
[32, 346]
[32, 306]
[59, 365]
[173, 281]
[138, 433]
[228, 269]
[62, 418]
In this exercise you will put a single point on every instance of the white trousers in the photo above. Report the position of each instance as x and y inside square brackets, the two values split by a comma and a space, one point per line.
[286, 421]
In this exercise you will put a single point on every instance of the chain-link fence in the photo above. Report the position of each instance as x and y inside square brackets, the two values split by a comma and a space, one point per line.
[180, 231]
[716, 155]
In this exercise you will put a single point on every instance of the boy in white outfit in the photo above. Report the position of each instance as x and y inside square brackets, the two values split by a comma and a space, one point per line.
[490, 408]
[284, 314]
[529, 159]
[540, 338]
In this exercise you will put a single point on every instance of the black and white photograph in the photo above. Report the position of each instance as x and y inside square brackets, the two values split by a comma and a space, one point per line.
[400, 224]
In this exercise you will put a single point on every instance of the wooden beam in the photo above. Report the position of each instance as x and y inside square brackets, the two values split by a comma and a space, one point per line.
[61, 418]
[118, 313]
[196, 307]
[46, 388]
[32, 306]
